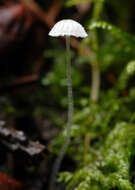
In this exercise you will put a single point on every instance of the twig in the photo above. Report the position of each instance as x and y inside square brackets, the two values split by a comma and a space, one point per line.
[23, 81]
[47, 18]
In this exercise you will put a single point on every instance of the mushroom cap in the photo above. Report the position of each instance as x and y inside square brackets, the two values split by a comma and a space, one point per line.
[68, 27]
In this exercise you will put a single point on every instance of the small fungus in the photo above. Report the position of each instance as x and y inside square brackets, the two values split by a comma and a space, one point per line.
[66, 28]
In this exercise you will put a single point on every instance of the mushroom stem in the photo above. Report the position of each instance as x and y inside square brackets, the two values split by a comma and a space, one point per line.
[70, 94]
[70, 119]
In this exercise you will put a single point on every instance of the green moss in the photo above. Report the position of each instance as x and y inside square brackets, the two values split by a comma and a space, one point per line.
[111, 169]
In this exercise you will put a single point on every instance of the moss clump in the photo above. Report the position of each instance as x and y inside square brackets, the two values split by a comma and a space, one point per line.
[111, 168]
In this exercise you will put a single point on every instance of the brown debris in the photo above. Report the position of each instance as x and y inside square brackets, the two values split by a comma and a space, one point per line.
[7, 183]
[15, 22]
[17, 140]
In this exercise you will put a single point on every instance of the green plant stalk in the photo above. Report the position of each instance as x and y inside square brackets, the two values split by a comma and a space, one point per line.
[95, 83]
[70, 119]
[94, 96]
[95, 78]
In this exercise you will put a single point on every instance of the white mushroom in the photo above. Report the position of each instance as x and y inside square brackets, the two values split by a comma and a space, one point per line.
[66, 28]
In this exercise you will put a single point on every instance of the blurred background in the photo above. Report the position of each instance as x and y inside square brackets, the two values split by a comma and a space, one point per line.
[33, 85]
